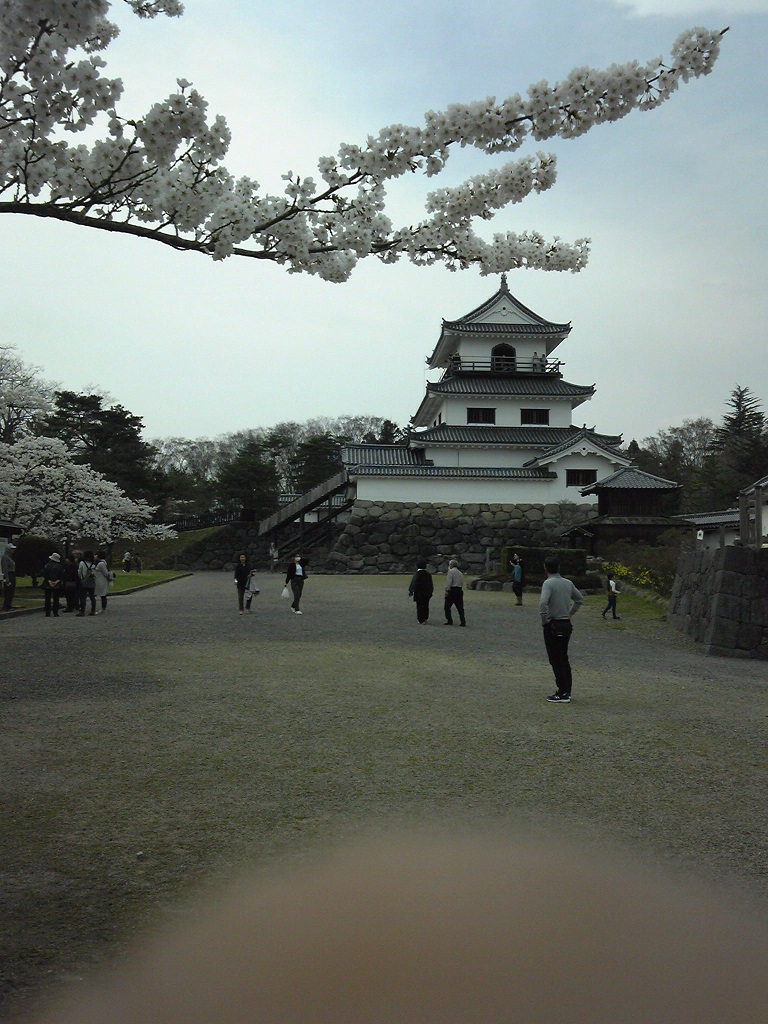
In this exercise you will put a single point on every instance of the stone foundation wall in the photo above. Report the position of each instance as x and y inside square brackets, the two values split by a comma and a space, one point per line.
[389, 537]
[720, 598]
[220, 550]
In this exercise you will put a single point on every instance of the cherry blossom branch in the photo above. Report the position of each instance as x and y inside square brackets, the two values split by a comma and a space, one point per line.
[160, 177]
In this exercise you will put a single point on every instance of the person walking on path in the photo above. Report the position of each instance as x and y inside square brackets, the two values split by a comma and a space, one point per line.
[242, 572]
[454, 593]
[103, 578]
[251, 590]
[53, 579]
[421, 590]
[296, 575]
[86, 571]
[517, 578]
[8, 572]
[560, 600]
[613, 593]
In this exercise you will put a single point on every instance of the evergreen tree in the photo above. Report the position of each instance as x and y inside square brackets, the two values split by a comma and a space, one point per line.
[250, 480]
[318, 457]
[106, 438]
[740, 447]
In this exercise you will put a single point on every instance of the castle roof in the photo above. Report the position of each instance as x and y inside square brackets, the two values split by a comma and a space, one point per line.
[502, 314]
[630, 478]
[484, 435]
[397, 461]
[454, 472]
[525, 386]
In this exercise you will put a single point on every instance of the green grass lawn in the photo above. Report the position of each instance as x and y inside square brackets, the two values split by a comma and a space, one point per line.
[27, 596]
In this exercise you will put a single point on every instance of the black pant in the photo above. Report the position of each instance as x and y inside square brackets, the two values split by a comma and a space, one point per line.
[297, 585]
[87, 594]
[611, 606]
[557, 636]
[51, 598]
[9, 589]
[422, 608]
[455, 596]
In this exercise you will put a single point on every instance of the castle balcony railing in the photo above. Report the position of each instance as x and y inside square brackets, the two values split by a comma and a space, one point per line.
[503, 365]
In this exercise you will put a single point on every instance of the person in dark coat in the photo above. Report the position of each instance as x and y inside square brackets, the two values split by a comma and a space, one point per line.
[8, 572]
[421, 590]
[71, 579]
[296, 575]
[242, 572]
[86, 572]
[53, 584]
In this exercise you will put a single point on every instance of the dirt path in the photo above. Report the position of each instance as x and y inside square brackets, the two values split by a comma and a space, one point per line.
[172, 739]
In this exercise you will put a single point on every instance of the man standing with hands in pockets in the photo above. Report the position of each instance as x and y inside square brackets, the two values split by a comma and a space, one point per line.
[560, 600]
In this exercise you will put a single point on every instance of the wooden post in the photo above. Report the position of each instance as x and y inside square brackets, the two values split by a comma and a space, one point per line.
[758, 518]
[744, 519]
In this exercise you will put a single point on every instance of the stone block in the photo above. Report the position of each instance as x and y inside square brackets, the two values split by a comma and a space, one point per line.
[749, 636]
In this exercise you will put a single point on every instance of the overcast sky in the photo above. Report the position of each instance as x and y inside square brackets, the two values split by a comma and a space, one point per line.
[669, 315]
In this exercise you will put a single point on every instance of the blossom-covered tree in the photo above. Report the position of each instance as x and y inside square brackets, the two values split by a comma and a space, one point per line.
[25, 398]
[160, 176]
[46, 493]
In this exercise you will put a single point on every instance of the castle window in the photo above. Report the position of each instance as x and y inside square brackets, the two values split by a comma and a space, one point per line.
[481, 415]
[538, 416]
[580, 477]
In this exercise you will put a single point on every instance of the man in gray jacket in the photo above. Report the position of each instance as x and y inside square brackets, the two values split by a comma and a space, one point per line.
[560, 601]
[8, 572]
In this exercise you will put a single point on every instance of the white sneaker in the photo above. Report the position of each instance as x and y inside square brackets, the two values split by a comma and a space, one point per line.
[298, 612]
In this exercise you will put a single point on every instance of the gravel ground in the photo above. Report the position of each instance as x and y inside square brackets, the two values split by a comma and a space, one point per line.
[172, 740]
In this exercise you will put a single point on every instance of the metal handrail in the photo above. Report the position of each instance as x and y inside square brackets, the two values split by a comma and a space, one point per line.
[503, 365]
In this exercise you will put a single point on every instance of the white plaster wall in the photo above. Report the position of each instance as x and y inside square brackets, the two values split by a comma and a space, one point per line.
[560, 412]
[508, 410]
[463, 492]
[499, 458]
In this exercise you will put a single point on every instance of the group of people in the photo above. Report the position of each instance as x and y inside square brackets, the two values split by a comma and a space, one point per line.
[560, 600]
[131, 561]
[80, 580]
[247, 589]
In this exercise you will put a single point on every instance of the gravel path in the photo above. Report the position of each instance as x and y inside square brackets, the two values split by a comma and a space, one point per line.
[172, 739]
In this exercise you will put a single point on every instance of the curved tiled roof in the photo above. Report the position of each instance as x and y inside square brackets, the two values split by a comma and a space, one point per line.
[483, 328]
[541, 325]
[524, 437]
[460, 472]
[381, 455]
[634, 479]
[523, 386]
[607, 444]
[536, 325]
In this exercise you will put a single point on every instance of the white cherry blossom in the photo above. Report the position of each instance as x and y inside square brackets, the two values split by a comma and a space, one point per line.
[46, 493]
[160, 176]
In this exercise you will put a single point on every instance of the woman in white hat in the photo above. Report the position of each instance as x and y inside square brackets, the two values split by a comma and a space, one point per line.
[53, 576]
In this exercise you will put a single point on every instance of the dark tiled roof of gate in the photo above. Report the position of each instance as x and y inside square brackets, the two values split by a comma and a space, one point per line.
[634, 479]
